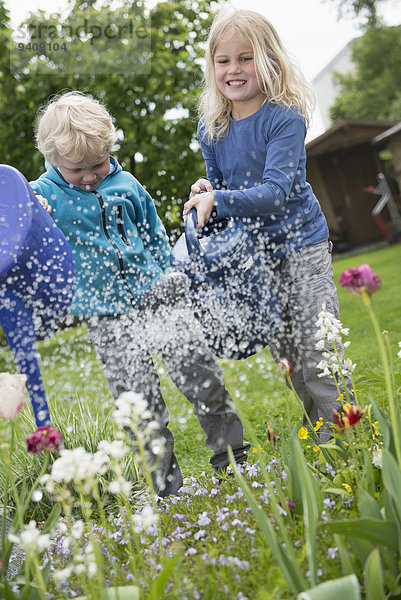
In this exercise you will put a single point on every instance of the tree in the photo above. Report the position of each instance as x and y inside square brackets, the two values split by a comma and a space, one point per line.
[150, 88]
[365, 9]
[373, 89]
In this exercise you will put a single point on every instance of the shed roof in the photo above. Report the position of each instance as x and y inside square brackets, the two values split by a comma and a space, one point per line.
[387, 134]
[347, 133]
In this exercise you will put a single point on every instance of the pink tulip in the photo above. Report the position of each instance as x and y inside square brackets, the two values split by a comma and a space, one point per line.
[359, 278]
[44, 438]
[11, 394]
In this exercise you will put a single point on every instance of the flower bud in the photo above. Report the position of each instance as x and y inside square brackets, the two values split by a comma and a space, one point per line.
[11, 394]
[360, 278]
[44, 438]
[285, 367]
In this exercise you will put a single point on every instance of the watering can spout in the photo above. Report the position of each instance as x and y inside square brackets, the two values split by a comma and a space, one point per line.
[36, 279]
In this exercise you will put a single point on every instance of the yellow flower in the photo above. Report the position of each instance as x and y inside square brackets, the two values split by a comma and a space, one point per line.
[376, 426]
[340, 398]
[318, 425]
[316, 449]
[376, 494]
[347, 487]
[303, 433]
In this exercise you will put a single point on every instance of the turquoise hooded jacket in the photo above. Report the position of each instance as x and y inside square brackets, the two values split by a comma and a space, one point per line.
[118, 242]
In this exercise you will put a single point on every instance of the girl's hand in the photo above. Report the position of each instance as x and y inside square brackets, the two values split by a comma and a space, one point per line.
[201, 185]
[204, 205]
[43, 202]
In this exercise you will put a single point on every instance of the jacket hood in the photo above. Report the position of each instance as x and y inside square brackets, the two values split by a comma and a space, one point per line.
[54, 174]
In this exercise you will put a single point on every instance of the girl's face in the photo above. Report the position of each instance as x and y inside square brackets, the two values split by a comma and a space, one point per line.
[86, 175]
[236, 76]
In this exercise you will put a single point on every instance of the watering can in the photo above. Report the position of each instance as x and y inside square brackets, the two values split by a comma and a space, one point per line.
[36, 279]
[230, 286]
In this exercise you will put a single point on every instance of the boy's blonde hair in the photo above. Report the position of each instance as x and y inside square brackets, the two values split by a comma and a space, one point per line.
[75, 127]
[279, 77]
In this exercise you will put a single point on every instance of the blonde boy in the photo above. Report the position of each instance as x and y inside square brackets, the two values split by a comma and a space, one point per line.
[133, 306]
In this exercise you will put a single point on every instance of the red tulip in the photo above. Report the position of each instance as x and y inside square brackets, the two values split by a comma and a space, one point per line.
[353, 414]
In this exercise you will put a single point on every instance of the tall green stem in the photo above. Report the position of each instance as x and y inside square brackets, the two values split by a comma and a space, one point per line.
[387, 375]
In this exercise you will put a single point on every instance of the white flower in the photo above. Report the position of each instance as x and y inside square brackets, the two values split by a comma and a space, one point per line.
[329, 327]
[377, 457]
[145, 518]
[399, 353]
[11, 394]
[79, 466]
[63, 574]
[120, 486]
[77, 529]
[30, 539]
[115, 449]
[132, 408]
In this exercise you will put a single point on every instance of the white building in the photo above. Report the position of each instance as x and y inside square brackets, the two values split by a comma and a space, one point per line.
[324, 83]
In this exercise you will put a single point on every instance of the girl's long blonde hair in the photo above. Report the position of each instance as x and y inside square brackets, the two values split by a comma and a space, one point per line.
[278, 75]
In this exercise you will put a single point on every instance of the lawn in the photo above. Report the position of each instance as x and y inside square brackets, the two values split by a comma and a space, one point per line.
[223, 551]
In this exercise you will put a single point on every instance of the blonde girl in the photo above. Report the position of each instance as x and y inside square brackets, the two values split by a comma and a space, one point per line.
[254, 110]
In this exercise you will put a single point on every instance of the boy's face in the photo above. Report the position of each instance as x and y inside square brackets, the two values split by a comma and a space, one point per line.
[86, 175]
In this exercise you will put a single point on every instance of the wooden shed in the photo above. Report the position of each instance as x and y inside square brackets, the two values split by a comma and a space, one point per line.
[340, 164]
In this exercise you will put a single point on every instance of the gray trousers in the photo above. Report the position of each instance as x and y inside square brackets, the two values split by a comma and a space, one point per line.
[125, 345]
[305, 282]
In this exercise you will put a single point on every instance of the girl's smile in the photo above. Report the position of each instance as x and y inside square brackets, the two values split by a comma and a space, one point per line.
[236, 77]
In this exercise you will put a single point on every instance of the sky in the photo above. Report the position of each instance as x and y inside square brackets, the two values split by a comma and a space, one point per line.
[310, 29]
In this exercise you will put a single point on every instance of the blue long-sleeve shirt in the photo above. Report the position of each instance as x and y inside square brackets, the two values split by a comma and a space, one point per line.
[258, 172]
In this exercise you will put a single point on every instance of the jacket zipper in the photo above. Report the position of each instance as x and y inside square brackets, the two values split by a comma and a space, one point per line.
[119, 256]
[120, 225]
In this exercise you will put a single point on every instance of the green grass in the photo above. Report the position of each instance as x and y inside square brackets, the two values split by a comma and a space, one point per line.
[80, 400]
[71, 370]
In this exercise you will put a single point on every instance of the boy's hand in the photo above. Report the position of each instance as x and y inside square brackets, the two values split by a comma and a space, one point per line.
[43, 202]
[201, 185]
[204, 205]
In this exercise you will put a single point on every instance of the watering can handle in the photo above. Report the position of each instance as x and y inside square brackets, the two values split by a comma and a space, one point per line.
[191, 236]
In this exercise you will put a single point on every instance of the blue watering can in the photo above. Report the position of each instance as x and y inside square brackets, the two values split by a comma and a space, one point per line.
[36, 279]
[230, 286]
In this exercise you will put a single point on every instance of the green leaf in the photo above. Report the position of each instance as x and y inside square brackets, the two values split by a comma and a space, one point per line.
[124, 592]
[157, 590]
[345, 587]
[287, 564]
[368, 507]
[385, 424]
[379, 532]
[392, 479]
[373, 576]
[368, 476]
[8, 593]
[347, 562]
[311, 501]
[52, 518]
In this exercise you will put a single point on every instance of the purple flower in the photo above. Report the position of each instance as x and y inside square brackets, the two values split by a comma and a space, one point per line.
[44, 438]
[360, 278]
